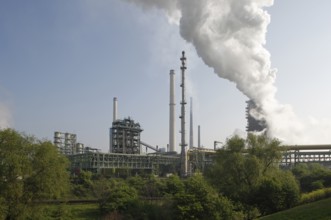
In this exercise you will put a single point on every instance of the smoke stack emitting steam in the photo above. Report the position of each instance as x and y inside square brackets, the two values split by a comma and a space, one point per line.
[229, 36]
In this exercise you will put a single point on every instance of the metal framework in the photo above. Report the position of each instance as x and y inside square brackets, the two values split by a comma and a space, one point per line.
[306, 154]
[66, 143]
[96, 161]
[183, 164]
[125, 137]
[254, 124]
[198, 159]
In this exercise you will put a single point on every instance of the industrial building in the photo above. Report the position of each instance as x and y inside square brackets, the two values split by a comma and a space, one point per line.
[125, 137]
[125, 144]
[254, 124]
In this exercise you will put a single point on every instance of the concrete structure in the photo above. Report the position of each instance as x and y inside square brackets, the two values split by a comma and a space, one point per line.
[114, 109]
[191, 124]
[172, 105]
[199, 137]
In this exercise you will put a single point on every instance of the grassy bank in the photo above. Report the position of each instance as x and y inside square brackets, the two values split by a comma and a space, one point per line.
[317, 210]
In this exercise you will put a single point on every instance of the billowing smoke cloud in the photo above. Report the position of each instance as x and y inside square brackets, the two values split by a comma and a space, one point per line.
[229, 36]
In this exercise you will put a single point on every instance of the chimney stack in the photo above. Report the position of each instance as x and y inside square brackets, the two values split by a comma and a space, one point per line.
[172, 126]
[191, 125]
[114, 109]
[199, 144]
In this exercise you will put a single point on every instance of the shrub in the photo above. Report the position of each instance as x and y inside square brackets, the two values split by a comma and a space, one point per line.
[315, 195]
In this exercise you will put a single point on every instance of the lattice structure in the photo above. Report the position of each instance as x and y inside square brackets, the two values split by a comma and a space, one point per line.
[291, 158]
[125, 137]
[254, 124]
[96, 161]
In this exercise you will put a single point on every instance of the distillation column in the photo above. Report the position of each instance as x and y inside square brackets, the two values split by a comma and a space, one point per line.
[172, 105]
[183, 160]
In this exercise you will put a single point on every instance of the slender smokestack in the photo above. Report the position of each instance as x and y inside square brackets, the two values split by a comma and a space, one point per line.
[114, 109]
[191, 124]
[183, 166]
[199, 144]
[172, 138]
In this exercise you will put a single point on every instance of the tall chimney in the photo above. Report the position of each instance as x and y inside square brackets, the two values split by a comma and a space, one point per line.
[199, 144]
[172, 138]
[183, 157]
[191, 125]
[111, 129]
[114, 109]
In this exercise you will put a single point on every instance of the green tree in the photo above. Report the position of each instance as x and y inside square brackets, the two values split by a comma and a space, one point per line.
[312, 176]
[244, 166]
[173, 185]
[276, 192]
[31, 171]
[82, 184]
[116, 197]
[234, 171]
[200, 201]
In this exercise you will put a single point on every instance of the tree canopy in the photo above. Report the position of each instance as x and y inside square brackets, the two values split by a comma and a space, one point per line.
[31, 170]
[244, 171]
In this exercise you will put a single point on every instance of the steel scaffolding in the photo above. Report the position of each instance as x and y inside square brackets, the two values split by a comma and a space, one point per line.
[96, 161]
[125, 137]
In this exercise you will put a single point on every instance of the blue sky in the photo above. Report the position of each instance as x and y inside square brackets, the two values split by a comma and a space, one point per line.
[62, 62]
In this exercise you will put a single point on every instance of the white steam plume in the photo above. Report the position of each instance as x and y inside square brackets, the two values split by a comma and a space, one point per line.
[229, 36]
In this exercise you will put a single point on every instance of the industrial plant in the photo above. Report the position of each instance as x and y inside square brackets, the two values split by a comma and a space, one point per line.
[125, 144]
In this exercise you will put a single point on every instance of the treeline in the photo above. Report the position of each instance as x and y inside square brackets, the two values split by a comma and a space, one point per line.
[244, 182]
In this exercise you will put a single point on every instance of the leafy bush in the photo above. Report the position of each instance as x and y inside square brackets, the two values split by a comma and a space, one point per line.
[315, 195]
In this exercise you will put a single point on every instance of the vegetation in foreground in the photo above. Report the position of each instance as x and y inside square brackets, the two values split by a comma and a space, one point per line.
[244, 182]
[317, 210]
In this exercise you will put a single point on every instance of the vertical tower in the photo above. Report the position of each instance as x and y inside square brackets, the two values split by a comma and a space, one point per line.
[199, 144]
[254, 122]
[191, 124]
[183, 166]
[111, 129]
[114, 109]
[172, 138]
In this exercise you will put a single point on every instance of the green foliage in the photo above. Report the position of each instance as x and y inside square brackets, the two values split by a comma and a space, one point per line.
[173, 185]
[312, 176]
[200, 201]
[115, 195]
[30, 171]
[82, 184]
[246, 172]
[318, 210]
[315, 195]
[265, 149]
[277, 192]
[153, 187]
